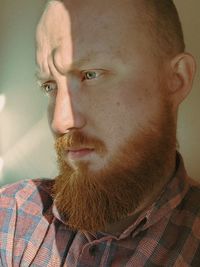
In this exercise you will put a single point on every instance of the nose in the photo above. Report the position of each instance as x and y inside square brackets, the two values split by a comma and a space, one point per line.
[66, 115]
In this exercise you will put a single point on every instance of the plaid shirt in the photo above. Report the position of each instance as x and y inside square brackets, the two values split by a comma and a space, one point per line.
[166, 234]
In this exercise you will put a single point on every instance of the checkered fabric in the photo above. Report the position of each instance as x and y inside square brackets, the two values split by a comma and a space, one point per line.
[166, 234]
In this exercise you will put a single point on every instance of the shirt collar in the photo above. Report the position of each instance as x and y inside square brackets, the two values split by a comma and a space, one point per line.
[170, 197]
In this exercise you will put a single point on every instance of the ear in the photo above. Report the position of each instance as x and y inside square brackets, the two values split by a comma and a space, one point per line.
[183, 69]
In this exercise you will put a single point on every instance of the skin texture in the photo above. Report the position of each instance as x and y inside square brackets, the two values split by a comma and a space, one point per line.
[121, 123]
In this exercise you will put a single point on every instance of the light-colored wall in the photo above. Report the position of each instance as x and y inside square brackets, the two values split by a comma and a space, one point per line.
[189, 115]
[25, 141]
[26, 145]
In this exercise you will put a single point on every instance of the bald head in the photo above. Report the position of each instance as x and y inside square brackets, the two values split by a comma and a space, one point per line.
[162, 21]
[158, 18]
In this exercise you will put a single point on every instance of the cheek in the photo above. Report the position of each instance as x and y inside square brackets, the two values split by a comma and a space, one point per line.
[111, 118]
[119, 110]
[140, 101]
[132, 105]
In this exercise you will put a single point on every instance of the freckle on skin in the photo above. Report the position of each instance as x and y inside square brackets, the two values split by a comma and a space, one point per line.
[118, 104]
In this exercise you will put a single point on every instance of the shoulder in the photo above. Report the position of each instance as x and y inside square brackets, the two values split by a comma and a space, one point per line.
[191, 201]
[26, 185]
[187, 213]
[26, 195]
[25, 215]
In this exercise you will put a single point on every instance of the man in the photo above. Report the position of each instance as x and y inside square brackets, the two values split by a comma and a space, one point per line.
[115, 72]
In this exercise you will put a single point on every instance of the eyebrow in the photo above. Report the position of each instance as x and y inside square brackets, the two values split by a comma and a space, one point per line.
[73, 67]
[79, 64]
[39, 76]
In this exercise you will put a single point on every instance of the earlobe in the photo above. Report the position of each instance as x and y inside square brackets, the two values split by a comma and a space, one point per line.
[183, 69]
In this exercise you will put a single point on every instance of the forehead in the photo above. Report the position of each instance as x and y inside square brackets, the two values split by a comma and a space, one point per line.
[54, 25]
[82, 28]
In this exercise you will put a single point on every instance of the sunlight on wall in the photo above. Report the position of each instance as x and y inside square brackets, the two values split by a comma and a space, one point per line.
[2, 101]
[2, 105]
[31, 156]
[1, 168]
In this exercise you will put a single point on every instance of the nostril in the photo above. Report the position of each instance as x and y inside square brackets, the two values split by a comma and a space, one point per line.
[59, 127]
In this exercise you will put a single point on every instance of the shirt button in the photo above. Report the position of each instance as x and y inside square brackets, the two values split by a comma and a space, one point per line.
[93, 250]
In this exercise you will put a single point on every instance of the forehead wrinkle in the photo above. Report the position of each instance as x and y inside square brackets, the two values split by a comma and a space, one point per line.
[57, 38]
[53, 29]
[60, 61]
[42, 76]
[93, 59]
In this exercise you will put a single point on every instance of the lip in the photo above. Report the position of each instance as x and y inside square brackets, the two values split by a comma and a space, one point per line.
[76, 153]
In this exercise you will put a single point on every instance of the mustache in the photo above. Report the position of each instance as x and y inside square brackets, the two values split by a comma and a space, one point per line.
[77, 139]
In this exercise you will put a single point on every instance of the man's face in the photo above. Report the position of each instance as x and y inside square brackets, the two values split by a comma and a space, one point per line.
[107, 104]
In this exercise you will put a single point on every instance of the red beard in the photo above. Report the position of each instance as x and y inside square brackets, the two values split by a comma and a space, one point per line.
[90, 200]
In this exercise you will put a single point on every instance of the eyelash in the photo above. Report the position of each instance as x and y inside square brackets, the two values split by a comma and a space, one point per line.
[89, 71]
[46, 84]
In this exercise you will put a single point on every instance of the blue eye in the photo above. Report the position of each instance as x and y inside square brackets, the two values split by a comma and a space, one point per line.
[49, 87]
[90, 75]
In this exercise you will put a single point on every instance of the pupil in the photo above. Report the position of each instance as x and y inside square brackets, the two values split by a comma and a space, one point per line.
[91, 75]
[48, 88]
